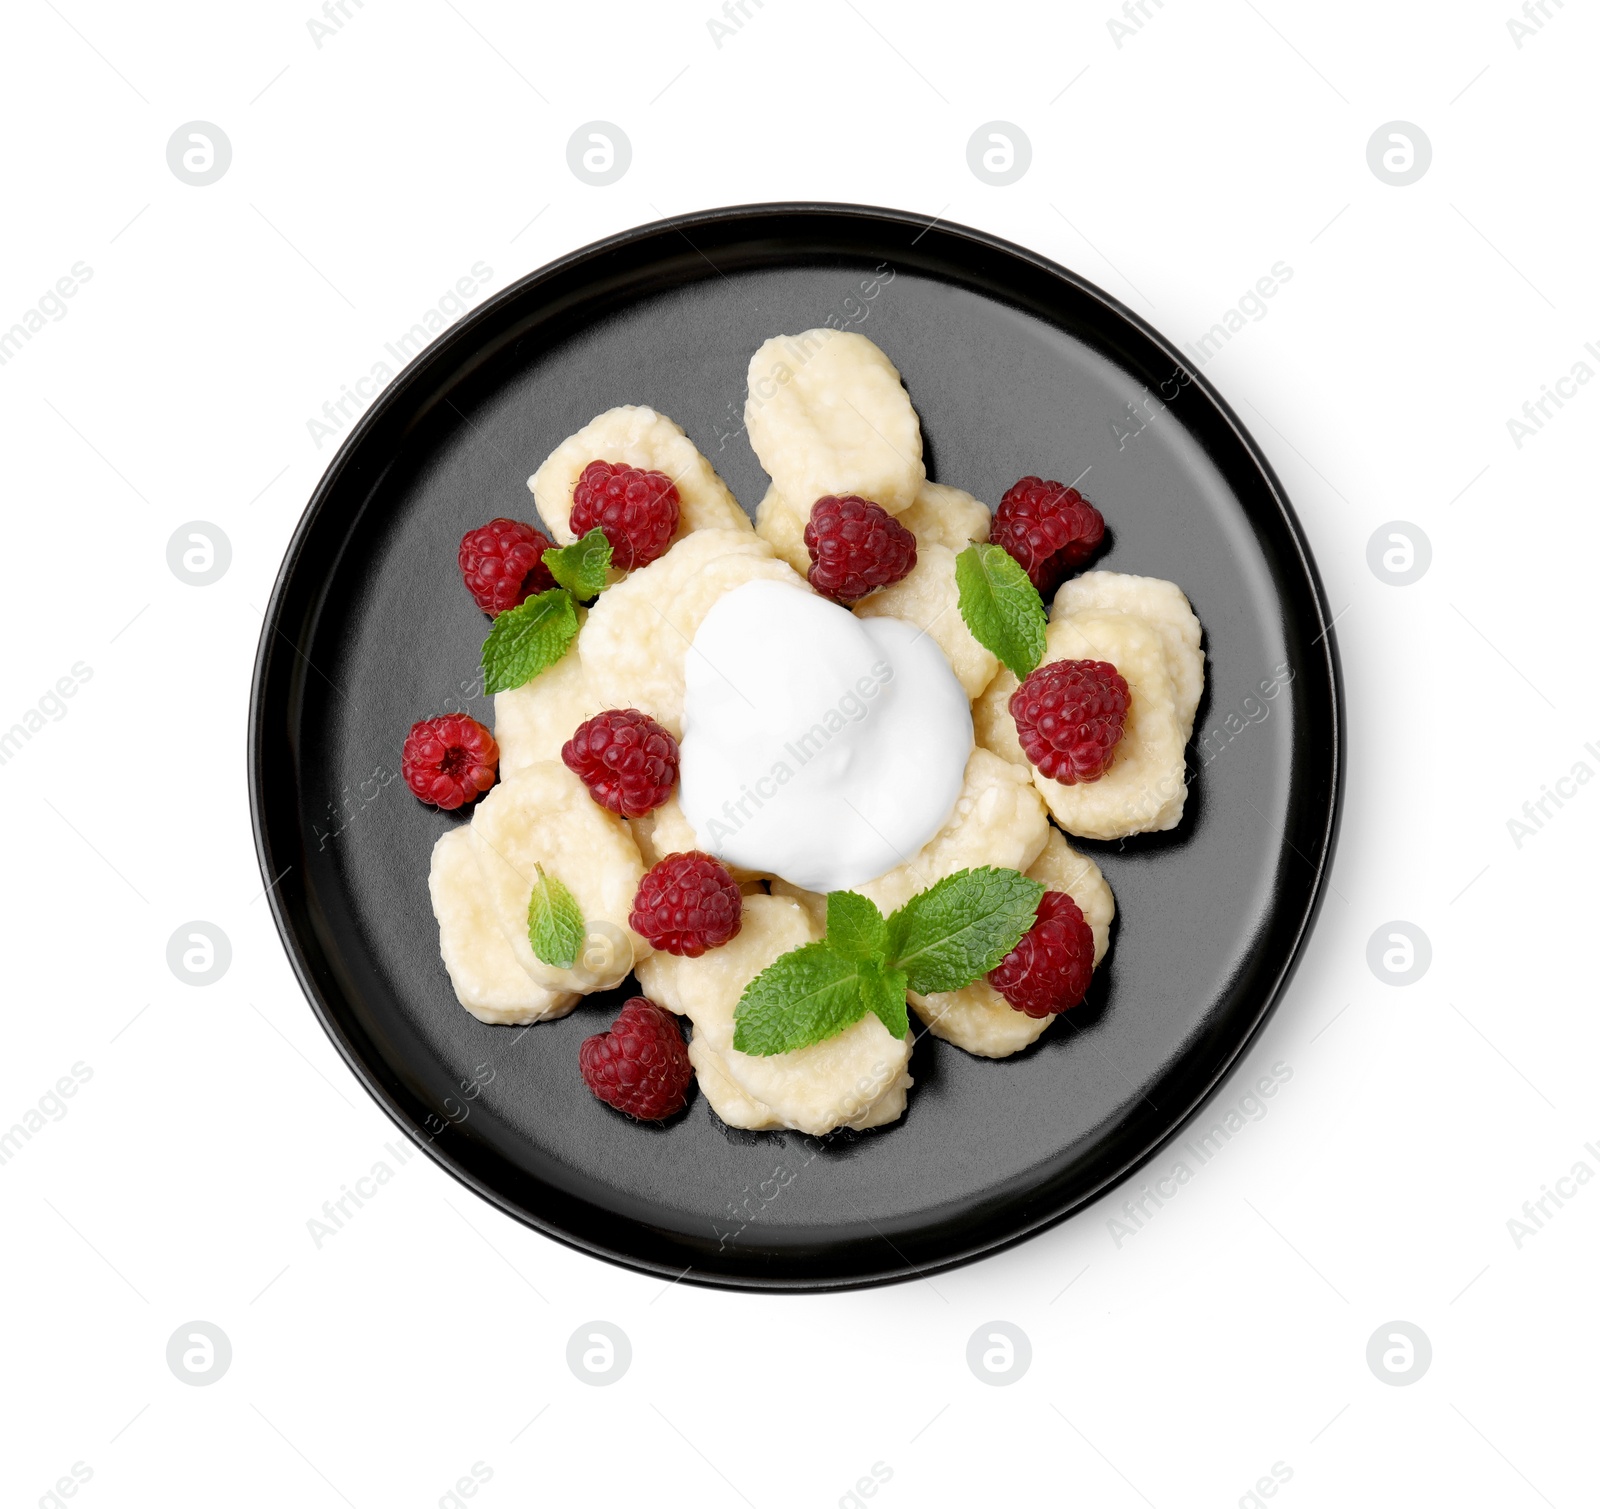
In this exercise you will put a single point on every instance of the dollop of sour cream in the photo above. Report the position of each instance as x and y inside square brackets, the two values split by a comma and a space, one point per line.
[817, 746]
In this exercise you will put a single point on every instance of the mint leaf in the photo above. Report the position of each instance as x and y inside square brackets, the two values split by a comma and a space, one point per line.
[883, 993]
[1001, 607]
[528, 639]
[855, 926]
[555, 925]
[961, 927]
[581, 566]
[802, 997]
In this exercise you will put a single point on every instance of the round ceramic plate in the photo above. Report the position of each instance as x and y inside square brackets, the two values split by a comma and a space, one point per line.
[1015, 366]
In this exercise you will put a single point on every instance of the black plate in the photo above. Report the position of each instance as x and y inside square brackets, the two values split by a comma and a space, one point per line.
[1015, 366]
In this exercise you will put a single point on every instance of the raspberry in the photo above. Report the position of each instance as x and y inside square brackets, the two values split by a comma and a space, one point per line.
[628, 761]
[449, 760]
[1047, 529]
[1049, 969]
[641, 1065]
[637, 510]
[856, 546]
[686, 904]
[1070, 715]
[503, 562]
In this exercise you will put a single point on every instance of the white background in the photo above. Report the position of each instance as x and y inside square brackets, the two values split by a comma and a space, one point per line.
[1230, 1333]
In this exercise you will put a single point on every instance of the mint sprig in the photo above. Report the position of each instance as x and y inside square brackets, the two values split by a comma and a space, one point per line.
[555, 925]
[581, 567]
[535, 634]
[527, 639]
[942, 939]
[1001, 607]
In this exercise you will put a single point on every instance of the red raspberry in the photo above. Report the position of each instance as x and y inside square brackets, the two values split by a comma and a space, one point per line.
[503, 562]
[686, 904]
[641, 1066]
[1048, 529]
[856, 546]
[637, 510]
[1049, 969]
[628, 761]
[449, 760]
[1070, 715]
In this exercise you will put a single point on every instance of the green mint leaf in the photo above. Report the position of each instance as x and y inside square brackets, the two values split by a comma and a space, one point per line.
[555, 925]
[961, 927]
[883, 993]
[581, 566]
[855, 926]
[1001, 607]
[528, 639]
[802, 997]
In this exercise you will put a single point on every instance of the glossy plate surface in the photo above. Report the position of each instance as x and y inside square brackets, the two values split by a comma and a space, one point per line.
[1015, 366]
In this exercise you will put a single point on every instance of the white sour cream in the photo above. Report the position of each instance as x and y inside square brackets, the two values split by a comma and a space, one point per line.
[817, 746]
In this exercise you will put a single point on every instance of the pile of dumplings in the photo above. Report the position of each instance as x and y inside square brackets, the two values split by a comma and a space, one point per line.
[827, 413]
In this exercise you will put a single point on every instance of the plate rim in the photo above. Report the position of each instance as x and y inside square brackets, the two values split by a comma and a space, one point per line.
[451, 343]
